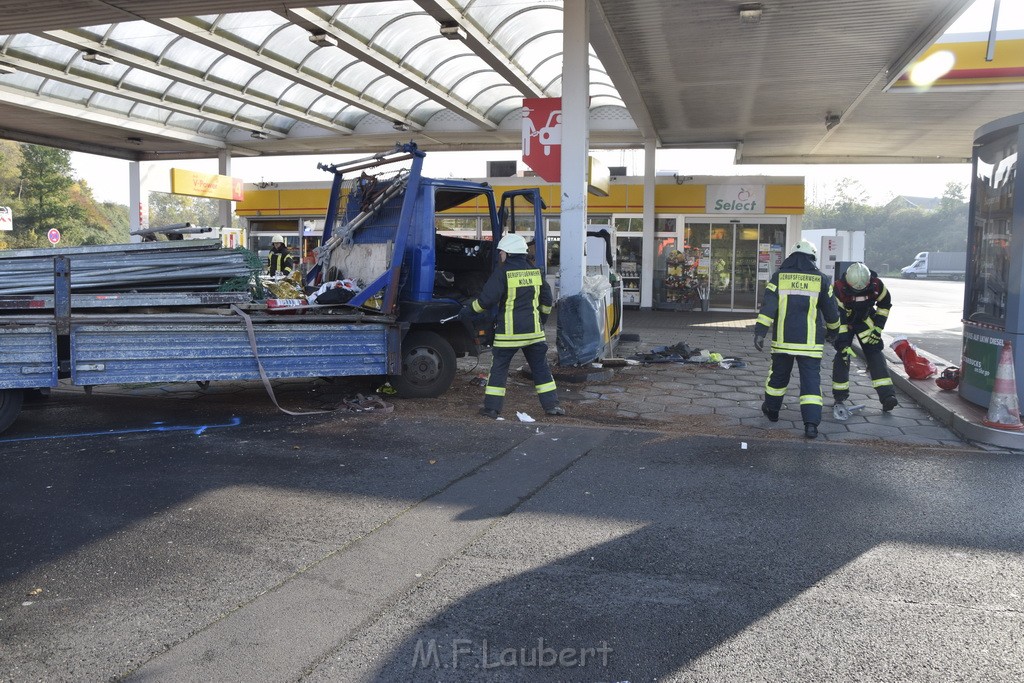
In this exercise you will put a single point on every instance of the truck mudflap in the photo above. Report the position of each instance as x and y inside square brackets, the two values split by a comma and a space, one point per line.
[190, 352]
[28, 356]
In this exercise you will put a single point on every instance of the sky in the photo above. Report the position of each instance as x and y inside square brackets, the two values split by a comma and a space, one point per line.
[108, 177]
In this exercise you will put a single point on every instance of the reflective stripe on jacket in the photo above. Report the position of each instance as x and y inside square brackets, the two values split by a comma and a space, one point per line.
[522, 296]
[796, 299]
[279, 262]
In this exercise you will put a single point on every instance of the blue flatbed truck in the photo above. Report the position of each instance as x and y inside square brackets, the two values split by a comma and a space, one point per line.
[381, 232]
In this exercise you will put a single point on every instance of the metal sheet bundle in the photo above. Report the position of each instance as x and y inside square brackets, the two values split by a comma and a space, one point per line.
[178, 266]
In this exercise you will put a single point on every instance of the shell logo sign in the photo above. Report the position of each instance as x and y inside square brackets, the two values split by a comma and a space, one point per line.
[206, 185]
[735, 199]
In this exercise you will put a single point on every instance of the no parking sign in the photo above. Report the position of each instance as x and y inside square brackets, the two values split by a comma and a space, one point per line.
[53, 235]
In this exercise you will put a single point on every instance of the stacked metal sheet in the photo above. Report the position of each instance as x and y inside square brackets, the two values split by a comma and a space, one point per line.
[177, 266]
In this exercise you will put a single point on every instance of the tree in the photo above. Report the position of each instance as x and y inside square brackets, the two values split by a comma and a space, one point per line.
[46, 181]
[168, 209]
[894, 233]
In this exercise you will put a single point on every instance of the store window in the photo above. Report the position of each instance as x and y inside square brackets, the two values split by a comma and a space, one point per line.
[732, 259]
[992, 229]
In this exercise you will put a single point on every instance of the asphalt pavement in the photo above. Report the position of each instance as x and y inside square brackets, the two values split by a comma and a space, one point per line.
[232, 542]
[662, 531]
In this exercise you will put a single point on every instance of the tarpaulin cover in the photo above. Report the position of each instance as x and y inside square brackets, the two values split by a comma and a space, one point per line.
[579, 339]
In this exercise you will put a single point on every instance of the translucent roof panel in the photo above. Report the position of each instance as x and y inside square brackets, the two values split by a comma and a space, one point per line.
[41, 50]
[251, 28]
[74, 93]
[367, 19]
[246, 70]
[160, 115]
[230, 70]
[145, 81]
[142, 36]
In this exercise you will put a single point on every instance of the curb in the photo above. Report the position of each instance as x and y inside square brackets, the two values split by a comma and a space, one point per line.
[962, 425]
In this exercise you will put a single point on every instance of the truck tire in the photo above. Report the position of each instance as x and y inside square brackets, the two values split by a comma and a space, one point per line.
[10, 406]
[428, 366]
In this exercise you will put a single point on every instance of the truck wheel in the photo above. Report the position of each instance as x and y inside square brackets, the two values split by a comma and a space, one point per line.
[428, 366]
[10, 406]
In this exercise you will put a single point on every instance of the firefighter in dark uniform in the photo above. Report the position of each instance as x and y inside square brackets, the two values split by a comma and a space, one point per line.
[523, 299]
[864, 304]
[796, 299]
[279, 262]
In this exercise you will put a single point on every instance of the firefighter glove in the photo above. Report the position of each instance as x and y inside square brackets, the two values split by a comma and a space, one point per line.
[831, 335]
[465, 313]
[848, 352]
[759, 342]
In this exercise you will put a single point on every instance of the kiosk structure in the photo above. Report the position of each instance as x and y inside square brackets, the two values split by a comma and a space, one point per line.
[993, 306]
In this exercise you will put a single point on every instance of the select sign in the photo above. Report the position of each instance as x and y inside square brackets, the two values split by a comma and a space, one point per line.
[735, 199]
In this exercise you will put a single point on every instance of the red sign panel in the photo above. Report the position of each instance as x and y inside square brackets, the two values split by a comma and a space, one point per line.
[542, 137]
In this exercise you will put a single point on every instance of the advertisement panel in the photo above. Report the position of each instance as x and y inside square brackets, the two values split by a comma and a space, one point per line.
[542, 136]
[6, 218]
[206, 185]
[980, 359]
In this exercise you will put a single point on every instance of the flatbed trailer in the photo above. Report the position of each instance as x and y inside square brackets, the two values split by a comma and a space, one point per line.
[400, 324]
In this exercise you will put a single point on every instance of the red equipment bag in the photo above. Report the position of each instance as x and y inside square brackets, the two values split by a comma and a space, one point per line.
[916, 365]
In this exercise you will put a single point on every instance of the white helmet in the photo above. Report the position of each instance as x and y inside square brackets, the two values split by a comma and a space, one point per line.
[512, 244]
[858, 276]
[805, 247]
[277, 238]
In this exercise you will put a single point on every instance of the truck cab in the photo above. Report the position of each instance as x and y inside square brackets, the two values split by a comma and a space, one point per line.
[382, 231]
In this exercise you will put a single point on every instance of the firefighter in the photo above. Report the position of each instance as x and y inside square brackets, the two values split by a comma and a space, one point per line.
[864, 304]
[279, 262]
[796, 299]
[523, 299]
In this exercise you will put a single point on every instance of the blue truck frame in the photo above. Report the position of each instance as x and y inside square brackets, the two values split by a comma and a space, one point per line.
[408, 338]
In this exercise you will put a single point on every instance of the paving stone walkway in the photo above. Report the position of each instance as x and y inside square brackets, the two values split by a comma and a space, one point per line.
[720, 397]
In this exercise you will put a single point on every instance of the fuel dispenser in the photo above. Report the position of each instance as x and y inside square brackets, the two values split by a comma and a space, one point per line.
[993, 305]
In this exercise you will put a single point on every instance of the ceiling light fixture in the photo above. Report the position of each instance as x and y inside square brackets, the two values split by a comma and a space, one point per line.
[750, 12]
[399, 126]
[258, 135]
[831, 121]
[323, 40]
[452, 31]
[97, 58]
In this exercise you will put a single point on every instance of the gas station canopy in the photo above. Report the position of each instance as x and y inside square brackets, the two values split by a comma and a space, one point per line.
[780, 81]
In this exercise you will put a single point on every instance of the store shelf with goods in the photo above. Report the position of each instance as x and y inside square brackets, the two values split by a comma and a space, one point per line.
[682, 287]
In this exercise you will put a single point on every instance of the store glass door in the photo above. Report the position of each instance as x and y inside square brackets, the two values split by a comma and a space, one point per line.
[744, 280]
[722, 252]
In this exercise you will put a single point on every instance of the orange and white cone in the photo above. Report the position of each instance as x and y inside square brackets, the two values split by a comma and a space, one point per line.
[1003, 410]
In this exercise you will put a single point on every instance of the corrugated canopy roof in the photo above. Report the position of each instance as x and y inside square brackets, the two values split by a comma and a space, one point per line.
[147, 79]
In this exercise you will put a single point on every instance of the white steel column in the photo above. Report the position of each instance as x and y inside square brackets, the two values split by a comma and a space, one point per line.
[138, 203]
[226, 208]
[647, 252]
[575, 144]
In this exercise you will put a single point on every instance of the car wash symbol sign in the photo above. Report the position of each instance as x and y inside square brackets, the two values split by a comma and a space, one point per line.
[542, 137]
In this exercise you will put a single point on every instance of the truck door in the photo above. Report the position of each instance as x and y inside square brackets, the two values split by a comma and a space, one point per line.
[521, 213]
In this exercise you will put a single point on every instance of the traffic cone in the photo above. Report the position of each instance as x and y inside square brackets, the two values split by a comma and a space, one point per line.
[1003, 411]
